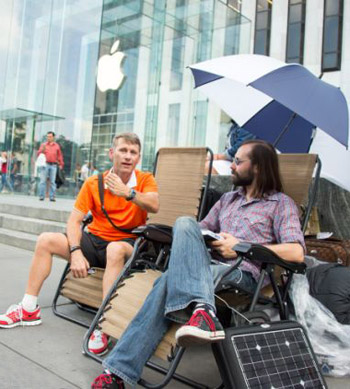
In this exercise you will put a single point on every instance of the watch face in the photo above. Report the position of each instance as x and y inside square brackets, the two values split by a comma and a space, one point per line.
[132, 194]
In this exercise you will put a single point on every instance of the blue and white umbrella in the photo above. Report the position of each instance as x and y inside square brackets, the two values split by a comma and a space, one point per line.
[267, 96]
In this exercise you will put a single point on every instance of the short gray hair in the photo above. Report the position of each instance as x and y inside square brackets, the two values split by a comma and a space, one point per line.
[129, 137]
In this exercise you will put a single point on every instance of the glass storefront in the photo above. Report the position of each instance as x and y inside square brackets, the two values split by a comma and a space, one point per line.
[160, 38]
[53, 52]
[48, 55]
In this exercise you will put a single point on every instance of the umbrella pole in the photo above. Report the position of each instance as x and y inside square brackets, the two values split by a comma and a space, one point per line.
[284, 130]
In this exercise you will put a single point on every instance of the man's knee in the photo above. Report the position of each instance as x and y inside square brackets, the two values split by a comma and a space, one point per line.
[116, 253]
[185, 222]
[47, 240]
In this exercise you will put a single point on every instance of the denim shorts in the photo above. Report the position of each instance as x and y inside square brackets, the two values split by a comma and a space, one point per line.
[94, 248]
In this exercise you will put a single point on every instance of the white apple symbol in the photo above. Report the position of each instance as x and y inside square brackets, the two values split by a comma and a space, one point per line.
[109, 71]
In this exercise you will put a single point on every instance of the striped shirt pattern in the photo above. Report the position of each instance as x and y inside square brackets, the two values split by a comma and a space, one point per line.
[272, 219]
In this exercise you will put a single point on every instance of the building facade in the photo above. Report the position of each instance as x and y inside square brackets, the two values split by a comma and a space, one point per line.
[315, 33]
[55, 74]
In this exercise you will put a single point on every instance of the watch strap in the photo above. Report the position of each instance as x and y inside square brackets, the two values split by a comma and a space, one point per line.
[131, 195]
[74, 248]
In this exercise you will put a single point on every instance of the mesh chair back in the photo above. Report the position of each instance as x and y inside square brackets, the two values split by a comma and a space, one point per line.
[296, 172]
[179, 173]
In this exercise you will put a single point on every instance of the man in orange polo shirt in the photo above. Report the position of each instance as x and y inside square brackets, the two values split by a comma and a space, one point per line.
[129, 195]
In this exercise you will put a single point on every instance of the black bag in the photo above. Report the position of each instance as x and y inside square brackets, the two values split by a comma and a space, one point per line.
[330, 284]
[60, 177]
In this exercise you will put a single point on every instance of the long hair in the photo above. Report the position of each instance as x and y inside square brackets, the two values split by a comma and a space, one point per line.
[264, 157]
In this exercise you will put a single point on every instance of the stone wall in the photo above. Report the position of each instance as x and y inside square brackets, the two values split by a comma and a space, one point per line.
[333, 205]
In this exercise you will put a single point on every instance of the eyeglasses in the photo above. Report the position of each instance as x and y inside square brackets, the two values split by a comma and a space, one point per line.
[238, 161]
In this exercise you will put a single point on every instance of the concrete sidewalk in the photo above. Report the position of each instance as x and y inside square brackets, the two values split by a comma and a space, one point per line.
[49, 356]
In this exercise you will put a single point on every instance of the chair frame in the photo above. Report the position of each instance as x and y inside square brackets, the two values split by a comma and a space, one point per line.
[162, 253]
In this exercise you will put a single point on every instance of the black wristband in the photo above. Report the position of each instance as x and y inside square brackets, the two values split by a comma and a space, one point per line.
[74, 248]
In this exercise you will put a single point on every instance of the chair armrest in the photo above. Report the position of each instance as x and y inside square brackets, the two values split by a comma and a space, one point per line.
[160, 233]
[262, 254]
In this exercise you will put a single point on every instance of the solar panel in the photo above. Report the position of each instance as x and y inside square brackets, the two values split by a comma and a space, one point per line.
[269, 356]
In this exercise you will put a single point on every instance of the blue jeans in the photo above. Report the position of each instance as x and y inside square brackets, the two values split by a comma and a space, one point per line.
[45, 172]
[5, 182]
[189, 279]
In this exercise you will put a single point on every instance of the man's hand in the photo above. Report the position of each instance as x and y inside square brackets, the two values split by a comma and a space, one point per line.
[224, 246]
[79, 265]
[116, 185]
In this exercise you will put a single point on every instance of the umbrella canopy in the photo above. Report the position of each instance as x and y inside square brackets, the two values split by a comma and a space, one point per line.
[265, 95]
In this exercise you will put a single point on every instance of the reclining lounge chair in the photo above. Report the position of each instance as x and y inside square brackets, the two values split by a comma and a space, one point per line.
[179, 173]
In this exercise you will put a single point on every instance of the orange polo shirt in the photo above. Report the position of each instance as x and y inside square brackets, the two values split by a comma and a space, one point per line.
[123, 213]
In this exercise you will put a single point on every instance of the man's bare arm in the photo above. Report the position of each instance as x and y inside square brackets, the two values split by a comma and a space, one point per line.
[74, 227]
[78, 263]
[290, 252]
[148, 201]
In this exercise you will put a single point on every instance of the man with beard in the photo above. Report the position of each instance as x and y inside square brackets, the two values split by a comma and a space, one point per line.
[257, 212]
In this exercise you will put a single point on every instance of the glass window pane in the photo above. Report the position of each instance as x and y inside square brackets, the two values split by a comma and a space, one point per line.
[260, 42]
[173, 125]
[261, 20]
[330, 61]
[293, 44]
[295, 13]
[331, 30]
[332, 7]
[295, 1]
[262, 5]
[200, 123]
[236, 4]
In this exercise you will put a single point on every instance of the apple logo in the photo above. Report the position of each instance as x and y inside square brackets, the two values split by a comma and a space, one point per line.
[109, 71]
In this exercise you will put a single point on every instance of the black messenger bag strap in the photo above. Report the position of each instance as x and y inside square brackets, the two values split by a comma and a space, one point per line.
[102, 196]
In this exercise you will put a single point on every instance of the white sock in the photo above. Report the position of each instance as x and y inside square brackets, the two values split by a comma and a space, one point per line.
[29, 302]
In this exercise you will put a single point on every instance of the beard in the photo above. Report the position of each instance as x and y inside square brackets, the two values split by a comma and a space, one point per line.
[243, 180]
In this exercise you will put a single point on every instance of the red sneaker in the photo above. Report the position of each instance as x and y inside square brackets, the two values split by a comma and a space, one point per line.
[98, 343]
[16, 315]
[107, 381]
[203, 327]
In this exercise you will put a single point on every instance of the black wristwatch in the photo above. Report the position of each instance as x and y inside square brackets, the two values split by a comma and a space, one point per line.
[131, 195]
[74, 248]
